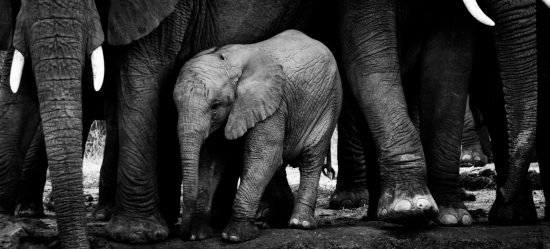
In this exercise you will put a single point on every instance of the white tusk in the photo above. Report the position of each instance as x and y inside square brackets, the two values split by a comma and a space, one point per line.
[477, 13]
[17, 64]
[547, 2]
[98, 67]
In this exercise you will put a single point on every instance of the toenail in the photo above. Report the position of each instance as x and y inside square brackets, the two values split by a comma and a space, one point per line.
[403, 205]
[422, 203]
[224, 235]
[192, 237]
[294, 221]
[448, 219]
[384, 212]
[477, 158]
[466, 157]
[234, 238]
[466, 220]
[305, 224]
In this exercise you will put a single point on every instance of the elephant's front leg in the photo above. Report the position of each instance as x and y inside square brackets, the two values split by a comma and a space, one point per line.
[262, 158]
[446, 66]
[137, 218]
[369, 47]
[33, 178]
[217, 179]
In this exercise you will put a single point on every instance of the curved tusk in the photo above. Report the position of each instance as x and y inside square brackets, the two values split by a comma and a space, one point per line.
[16, 70]
[477, 13]
[98, 68]
[547, 2]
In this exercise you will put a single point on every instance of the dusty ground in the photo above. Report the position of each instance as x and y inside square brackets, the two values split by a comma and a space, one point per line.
[337, 228]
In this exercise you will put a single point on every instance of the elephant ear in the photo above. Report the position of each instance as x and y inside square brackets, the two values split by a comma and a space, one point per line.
[130, 20]
[259, 92]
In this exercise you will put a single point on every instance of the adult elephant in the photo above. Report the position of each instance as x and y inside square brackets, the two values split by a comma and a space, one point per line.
[23, 160]
[157, 37]
[57, 39]
[374, 61]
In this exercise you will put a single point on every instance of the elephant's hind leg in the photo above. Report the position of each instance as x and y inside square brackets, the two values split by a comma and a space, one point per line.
[351, 187]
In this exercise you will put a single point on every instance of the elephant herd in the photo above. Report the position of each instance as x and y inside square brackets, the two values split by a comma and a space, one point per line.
[192, 115]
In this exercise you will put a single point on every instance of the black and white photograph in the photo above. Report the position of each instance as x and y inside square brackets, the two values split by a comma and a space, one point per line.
[281, 124]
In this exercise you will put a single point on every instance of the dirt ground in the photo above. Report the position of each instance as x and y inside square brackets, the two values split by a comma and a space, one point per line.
[337, 228]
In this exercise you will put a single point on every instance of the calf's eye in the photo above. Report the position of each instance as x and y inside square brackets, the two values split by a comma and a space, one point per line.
[216, 106]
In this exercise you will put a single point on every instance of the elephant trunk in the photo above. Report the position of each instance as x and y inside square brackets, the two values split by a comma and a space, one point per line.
[516, 45]
[191, 142]
[59, 93]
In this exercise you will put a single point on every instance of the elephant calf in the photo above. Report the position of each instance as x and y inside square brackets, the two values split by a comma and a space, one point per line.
[279, 100]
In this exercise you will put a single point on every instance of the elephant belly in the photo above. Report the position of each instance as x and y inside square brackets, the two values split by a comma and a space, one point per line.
[245, 21]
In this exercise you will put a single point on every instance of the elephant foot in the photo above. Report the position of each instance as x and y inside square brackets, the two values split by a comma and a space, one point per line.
[104, 211]
[473, 156]
[406, 204]
[454, 214]
[303, 217]
[30, 209]
[349, 198]
[137, 229]
[198, 230]
[240, 231]
[519, 211]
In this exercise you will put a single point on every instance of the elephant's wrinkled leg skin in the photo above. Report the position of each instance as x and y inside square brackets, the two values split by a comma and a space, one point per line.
[29, 202]
[370, 58]
[351, 186]
[445, 74]
[108, 174]
[277, 203]
[471, 153]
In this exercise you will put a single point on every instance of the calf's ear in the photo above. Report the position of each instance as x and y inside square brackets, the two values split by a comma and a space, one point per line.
[259, 92]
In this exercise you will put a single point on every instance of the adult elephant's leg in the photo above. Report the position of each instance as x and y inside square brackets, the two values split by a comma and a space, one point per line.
[369, 47]
[169, 163]
[351, 186]
[145, 68]
[471, 151]
[515, 40]
[445, 73]
[543, 134]
[10, 158]
[108, 174]
[33, 177]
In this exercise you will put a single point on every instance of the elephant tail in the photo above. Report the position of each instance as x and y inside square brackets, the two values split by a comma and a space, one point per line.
[328, 171]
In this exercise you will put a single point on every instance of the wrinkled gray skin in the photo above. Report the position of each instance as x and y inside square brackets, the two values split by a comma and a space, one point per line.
[23, 160]
[372, 44]
[282, 96]
[148, 196]
[57, 45]
[475, 140]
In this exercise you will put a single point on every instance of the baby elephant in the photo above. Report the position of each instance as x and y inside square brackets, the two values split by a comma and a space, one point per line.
[279, 100]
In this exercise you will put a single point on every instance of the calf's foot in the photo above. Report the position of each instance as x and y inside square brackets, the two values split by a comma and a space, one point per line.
[137, 229]
[406, 203]
[240, 230]
[349, 198]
